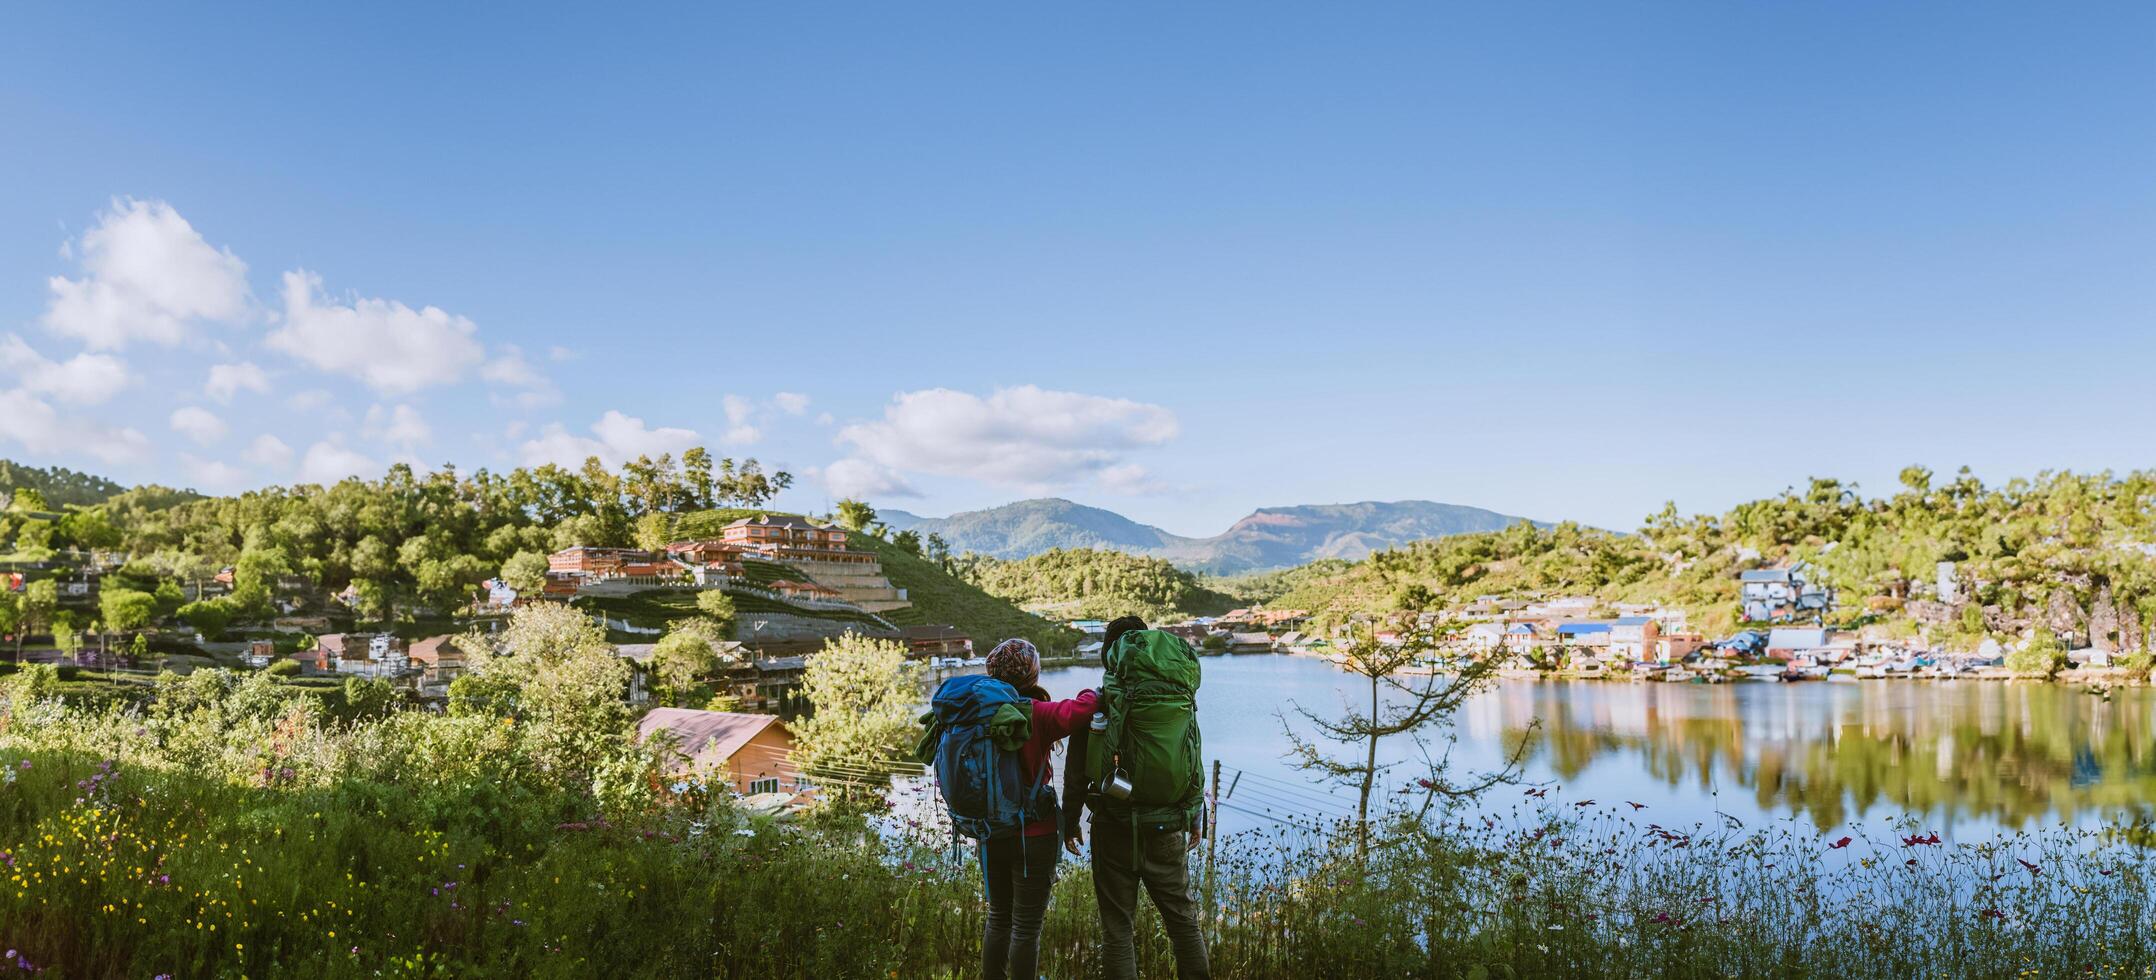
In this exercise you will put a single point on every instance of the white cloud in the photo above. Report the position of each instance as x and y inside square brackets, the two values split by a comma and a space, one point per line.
[400, 426]
[792, 403]
[738, 412]
[826, 418]
[615, 437]
[393, 348]
[1129, 478]
[211, 475]
[146, 275]
[85, 379]
[510, 368]
[227, 380]
[329, 461]
[29, 421]
[199, 424]
[1024, 437]
[308, 400]
[267, 450]
[863, 480]
[558, 354]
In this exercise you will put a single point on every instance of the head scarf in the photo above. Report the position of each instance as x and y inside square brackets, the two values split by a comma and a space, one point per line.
[1015, 662]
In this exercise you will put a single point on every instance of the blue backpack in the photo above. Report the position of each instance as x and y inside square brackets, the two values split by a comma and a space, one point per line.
[984, 785]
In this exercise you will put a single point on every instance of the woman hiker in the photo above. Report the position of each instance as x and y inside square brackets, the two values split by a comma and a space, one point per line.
[1018, 872]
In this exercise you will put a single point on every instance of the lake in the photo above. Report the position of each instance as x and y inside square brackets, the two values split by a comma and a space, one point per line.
[1968, 758]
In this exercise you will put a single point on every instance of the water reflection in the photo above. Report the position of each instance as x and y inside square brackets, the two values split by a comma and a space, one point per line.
[1968, 758]
[2007, 754]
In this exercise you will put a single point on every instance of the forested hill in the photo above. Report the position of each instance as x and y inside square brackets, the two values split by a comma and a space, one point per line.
[1088, 584]
[1029, 527]
[2068, 552]
[1270, 538]
[60, 486]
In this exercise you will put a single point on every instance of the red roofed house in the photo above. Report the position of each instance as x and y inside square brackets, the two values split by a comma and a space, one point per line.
[756, 750]
[440, 657]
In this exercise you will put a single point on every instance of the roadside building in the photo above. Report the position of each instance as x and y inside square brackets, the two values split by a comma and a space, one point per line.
[1521, 637]
[588, 562]
[1670, 648]
[936, 641]
[1634, 638]
[440, 659]
[754, 751]
[1592, 636]
[1787, 642]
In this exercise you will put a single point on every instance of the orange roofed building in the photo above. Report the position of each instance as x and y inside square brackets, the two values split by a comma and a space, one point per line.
[786, 536]
[756, 750]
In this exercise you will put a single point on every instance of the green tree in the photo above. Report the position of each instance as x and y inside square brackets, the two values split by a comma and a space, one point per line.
[525, 572]
[855, 515]
[40, 602]
[864, 692]
[368, 697]
[28, 500]
[553, 671]
[653, 531]
[126, 610]
[718, 607]
[209, 617]
[684, 655]
[908, 541]
[1400, 704]
[696, 472]
[12, 619]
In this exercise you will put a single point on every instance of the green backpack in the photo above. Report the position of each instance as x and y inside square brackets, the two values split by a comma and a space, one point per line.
[1149, 693]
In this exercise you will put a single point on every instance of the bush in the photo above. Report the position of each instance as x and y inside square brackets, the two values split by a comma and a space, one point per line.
[2042, 656]
[284, 668]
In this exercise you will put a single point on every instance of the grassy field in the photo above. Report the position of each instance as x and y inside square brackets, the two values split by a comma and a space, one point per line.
[940, 598]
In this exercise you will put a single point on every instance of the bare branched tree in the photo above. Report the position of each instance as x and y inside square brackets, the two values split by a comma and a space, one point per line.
[1427, 682]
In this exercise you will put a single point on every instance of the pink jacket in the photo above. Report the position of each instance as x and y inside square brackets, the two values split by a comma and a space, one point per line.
[1053, 721]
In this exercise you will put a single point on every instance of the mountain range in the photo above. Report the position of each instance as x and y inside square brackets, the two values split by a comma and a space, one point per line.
[1270, 538]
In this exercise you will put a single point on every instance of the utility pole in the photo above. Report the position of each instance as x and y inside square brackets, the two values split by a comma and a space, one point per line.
[1212, 839]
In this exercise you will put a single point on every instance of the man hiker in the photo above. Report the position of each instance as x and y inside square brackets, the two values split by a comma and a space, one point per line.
[1136, 768]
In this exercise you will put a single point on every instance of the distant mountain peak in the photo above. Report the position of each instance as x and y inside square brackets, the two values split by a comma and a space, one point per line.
[1269, 537]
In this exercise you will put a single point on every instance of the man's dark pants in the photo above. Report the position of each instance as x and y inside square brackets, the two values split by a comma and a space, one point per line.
[1155, 858]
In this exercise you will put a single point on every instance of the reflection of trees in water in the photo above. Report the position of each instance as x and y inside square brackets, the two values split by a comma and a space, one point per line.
[2014, 753]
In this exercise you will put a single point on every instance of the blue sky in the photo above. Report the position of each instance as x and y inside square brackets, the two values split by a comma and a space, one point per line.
[1562, 260]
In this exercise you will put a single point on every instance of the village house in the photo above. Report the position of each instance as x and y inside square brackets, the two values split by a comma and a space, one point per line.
[1520, 637]
[440, 659]
[936, 641]
[785, 536]
[1484, 637]
[587, 561]
[378, 655]
[754, 751]
[790, 589]
[1593, 637]
[1633, 638]
[260, 652]
[1775, 595]
[1785, 643]
[1670, 648]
